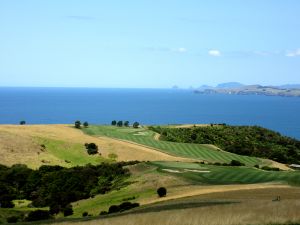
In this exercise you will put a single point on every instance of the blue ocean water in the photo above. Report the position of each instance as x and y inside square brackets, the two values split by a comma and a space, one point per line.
[148, 106]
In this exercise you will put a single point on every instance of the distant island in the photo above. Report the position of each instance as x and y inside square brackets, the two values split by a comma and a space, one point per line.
[235, 88]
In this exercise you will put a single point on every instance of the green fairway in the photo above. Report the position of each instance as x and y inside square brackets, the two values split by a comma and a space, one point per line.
[209, 174]
[145, 137]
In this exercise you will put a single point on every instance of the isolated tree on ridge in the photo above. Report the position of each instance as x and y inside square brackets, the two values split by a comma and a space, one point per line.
[77, 124]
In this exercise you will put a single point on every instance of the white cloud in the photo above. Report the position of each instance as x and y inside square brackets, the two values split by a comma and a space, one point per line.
[214, 52]
[293, 53]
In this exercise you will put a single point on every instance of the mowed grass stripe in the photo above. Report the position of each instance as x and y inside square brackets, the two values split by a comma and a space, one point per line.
[194, 151]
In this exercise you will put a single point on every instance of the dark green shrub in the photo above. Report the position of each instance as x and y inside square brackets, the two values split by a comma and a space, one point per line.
[128, 205]
[54, 209]
[12, 219]
[7, 204]
[113, 123]
[103, 213]
[91, 148]
[162, 192]
[85, 214]
[23, 122]
[236, 163]
[38, 215]
[86, 124]
[68, 210]
[114, 209]
[126, 123]
[120, 123]
[270, 168]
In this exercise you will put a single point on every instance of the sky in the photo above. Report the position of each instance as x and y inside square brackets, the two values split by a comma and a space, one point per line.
[148, 43]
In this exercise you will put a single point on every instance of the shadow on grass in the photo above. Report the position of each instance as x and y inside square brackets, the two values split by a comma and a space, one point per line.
[156, 207]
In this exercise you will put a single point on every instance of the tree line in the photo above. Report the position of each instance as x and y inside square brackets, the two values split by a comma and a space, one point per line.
[56, 186]
[120, 123]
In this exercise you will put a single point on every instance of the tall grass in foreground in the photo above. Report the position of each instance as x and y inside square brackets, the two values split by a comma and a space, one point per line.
[256, 212]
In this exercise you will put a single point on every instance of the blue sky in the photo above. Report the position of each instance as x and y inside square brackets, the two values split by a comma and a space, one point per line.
[151, 44]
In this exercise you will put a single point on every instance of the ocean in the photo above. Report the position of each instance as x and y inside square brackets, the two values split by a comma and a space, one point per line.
[147, 106]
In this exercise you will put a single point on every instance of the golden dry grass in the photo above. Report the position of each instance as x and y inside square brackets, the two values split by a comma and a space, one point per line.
[18, 145]
[247, 212]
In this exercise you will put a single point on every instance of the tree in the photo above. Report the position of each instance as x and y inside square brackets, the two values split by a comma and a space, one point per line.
[114, 209]
[22, 122]
[136, 125]
[91, 148]
[126, 123]
[120, 123]
[113, 123]
[162, 192]
[68, 210]
[236, 163]
[38, 215]
[85, 124]
[77, 124]
[54, 209]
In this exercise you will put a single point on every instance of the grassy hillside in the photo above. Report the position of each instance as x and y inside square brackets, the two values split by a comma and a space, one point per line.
[65, 147]
[145, 137]
[69, 154]
[244, 140]
[250, 207]
[208, 174]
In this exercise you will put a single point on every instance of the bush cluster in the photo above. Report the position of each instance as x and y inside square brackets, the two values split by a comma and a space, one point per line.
[91, 148]
[120, 208]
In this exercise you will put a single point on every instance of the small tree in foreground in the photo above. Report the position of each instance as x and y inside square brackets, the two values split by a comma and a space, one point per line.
[113, 123]
[136, 125]
[162, 192]
[126, 123]
[86, 124]
[77, 124]
[91, 148]
[23, 122]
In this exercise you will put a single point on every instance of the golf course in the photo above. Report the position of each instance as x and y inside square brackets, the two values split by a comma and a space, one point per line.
[198, 177]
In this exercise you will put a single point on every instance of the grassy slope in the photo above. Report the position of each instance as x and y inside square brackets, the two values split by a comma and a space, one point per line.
[250, 208]
[227, 175]
[149, 176]
[21, 207]
[70, 154]
[146, 137]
